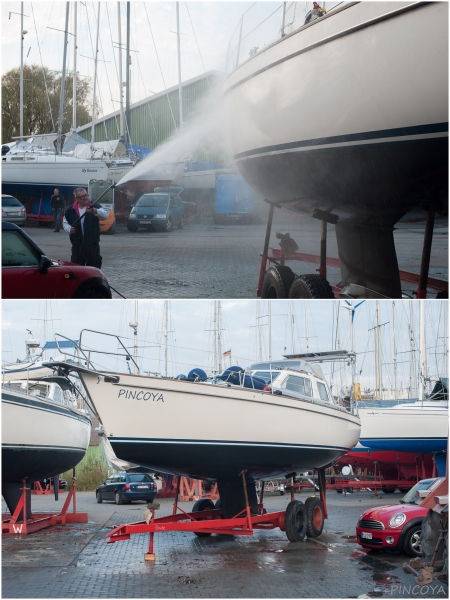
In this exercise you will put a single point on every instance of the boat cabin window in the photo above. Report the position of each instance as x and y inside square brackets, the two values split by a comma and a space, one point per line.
[57, 395]
[16, 252]
[323, 392]
[267, 376]
[301, 385]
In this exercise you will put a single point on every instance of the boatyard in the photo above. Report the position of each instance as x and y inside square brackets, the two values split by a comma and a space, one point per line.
[223, 261]
[76, 562]
[225, 337]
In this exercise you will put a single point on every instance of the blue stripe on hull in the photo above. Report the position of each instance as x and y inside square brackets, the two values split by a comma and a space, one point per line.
[421, 446]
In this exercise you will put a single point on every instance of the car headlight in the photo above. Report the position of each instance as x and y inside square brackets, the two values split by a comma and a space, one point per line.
[132, 216]
[160, 216]
[397, 520]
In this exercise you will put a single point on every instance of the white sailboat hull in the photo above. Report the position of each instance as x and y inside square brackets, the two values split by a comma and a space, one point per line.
[205, 431]
[40, 438]
[407, 429]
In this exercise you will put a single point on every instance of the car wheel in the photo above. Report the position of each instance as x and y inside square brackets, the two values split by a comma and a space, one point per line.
[387, 490]
[411, 545]
[201, 505]
[277, 282]
[132, 228]
[95, 292]
[99, 498]
[118, 498]
[311, 286]
[112, 229]
[169, 225]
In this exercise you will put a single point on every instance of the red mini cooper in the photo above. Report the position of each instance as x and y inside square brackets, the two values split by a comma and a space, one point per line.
[397, 526]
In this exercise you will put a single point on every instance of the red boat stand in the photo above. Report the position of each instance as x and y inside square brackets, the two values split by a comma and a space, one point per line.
[36, 521]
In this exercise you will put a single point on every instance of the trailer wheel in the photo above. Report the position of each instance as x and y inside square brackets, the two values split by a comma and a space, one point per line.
[296, 521]
[311, 286]
[218, 503]
[315, 516]
[277, 282]
[387, 490]
[201, 505]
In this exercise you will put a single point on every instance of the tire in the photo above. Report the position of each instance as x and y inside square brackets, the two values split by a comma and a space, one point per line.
[218, 503]
[339, 491]
[169, 225]
[99, 498]
[111, 230]
[95, 292]
[295, 521]
[315, 517]
[132, 228]
[149, 501]
[310, 287]
[387, 490]
[411, 545]
[201, 505]
[117, 498]
[277, 282]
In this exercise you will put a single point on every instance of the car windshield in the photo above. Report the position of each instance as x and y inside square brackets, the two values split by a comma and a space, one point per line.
[149, 200]
[413, 495]
[10, 201]
[16, 251]
[140, 477]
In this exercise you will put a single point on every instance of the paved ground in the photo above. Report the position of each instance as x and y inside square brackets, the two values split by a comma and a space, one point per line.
[75, 561]
[223, 261]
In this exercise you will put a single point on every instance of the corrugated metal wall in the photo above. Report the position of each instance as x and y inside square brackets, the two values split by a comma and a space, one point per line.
[155, 120]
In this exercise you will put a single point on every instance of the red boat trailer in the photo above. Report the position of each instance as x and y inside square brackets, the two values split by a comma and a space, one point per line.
[278, 256]
[296, 520]
[11, 525]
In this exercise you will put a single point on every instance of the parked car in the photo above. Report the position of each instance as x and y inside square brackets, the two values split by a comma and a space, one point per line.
[126, 487]
[13, 210]
[157, 211]
[395, 526]
[28, 273]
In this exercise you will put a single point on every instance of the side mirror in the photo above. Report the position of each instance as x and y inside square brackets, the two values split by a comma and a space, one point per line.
[43, 264]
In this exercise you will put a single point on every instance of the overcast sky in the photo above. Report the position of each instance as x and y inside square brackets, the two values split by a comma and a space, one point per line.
[208, 30]
[190, 337]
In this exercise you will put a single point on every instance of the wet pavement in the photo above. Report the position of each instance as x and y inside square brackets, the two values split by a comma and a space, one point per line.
[223, 261]
[76, 562]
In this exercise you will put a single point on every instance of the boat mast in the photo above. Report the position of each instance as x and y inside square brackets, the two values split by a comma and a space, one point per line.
[395, 352]
[127, 97]
[21, 71]
[270, 329]
[74, 101]
[180, 97]
[379, 354]
[166, 333]
[412, 364]
[121, 132]
[134, 326]
[258, 320]
[95, 83]
[219, 341]
[306, 325]
[291, 314]
[63, 81]
[422, 353]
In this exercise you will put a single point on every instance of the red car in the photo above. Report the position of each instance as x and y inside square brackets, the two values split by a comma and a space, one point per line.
[28, 273]
[396, 526]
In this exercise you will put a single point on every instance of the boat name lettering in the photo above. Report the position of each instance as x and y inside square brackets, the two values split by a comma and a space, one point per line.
[89, 170]
[141, 395]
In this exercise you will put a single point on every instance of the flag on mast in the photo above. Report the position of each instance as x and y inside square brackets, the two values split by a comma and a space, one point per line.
[227, 353]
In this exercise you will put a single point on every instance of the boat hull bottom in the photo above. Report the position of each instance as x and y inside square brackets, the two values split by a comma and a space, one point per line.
[36, 464]
[212, 461]
[12, 492]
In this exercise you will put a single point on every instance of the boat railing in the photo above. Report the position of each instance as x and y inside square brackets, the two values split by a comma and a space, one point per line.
[87, 352]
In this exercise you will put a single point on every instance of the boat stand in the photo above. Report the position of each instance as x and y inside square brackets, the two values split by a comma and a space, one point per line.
[288, 251]
[11, 525]
[294, 520]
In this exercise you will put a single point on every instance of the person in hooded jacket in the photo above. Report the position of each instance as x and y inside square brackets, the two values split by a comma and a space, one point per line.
[82, 222]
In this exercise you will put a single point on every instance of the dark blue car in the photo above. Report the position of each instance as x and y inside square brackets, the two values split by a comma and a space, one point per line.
[126, 487]
[160, 211]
